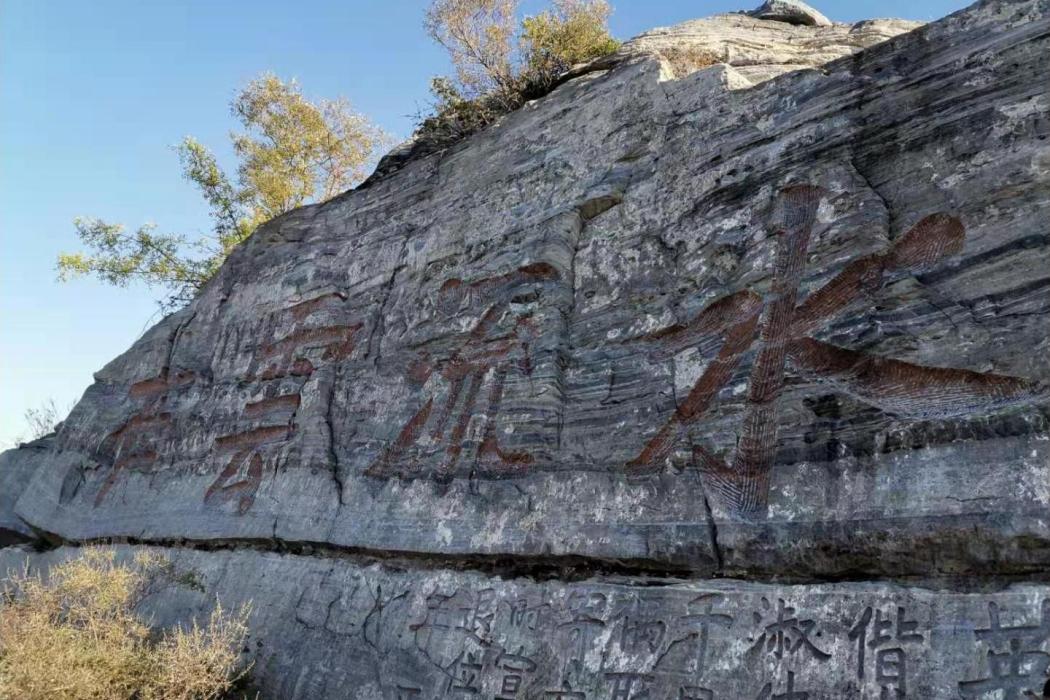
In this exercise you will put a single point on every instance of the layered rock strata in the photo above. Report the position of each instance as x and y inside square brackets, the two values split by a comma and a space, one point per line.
[751, 301]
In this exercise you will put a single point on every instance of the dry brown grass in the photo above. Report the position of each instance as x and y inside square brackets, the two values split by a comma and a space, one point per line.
[74, 635]
[684, 60]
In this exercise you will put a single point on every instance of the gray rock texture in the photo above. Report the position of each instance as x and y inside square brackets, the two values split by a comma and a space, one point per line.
[748, 51]
[792, 12]
[748, 299]
[17, 468]
[339, 628]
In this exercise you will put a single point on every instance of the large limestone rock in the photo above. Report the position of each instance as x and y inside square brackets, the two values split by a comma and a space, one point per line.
[792, 12]
[715, 307]
[16, 470]
[748, 50]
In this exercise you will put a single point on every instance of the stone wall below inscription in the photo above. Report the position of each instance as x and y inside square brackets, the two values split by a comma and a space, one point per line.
[368, 630]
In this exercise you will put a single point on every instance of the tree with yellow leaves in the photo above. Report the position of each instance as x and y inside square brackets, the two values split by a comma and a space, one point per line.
[574, 31]
[292, 152]
[497, 67]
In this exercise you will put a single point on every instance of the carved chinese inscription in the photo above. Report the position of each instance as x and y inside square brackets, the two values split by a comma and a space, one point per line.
[1017, 663]
[489, 672]
[789, 692]
[465, 675]
[526, 616]
[294, 356]
[587, 613]
[783, 326]
[459, 637]
[279, 368]
[641, 635]
[512, 669]
[885, 634]
[451, 620]
[687, 653]
[431, 443]
[782, 632]
[780, 643]
[628, 686]
[136, 445]
[564, 693]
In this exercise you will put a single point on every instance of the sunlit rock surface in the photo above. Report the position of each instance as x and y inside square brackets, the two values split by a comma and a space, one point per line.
[749, 301]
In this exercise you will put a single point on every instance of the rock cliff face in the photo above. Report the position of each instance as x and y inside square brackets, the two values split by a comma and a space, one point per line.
[719, 372]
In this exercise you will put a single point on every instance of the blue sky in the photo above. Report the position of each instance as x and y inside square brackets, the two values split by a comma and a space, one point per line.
[94, 94]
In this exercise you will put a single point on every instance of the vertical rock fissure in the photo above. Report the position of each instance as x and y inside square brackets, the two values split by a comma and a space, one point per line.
[378, 325]
[333, 454]
[173, 340]
[712, 526]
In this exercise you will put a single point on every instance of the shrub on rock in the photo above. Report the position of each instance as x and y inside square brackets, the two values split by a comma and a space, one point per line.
[74, 634]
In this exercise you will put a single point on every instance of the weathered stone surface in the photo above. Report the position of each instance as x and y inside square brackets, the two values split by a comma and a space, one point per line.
[369, 631]
[756, 50]
[798, 329]
[792, 12]
[16, 471]
[766, 318]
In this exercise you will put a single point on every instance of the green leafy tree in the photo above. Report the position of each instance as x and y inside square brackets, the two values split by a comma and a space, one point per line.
[291, 152]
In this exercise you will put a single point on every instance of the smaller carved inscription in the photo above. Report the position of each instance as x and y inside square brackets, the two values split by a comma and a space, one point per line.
[565, 693]
[628, 686]
[784, 632]
[512, 669]
[885, 634]
[788, 693]
[1017, 664]
[687, 654]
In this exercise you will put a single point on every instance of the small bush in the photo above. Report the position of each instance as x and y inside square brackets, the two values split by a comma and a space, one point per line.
[490, 81]
[575, 31]
[456, 116]
[74, 635]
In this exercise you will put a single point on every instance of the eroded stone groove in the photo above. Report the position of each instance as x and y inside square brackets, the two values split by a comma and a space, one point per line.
[564, 568]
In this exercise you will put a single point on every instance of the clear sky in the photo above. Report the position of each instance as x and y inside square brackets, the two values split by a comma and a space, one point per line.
[94, 94]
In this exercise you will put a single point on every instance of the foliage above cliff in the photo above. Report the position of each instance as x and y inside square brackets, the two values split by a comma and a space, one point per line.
[496, 72]
[292, 151]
